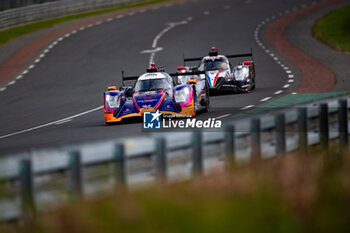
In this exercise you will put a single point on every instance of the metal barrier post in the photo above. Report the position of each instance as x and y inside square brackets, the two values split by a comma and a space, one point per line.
[27, 191]
[197, 160]
[343, 123]
[255, 139]
[120, 165]
[230, 146]
[76, 174]
[161, 159]
[323, 125]
[280, 134]
[302, 130]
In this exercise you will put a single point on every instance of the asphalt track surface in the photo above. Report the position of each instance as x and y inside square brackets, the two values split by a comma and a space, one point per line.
[72, 77]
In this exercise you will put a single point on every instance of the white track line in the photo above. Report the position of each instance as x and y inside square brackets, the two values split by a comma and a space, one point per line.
[51, 123]
[288, 71]
[247, 107]
[59, 39]
[265, 99]
[278, 92]
[223, 116]
[62, 122]
[157, 38]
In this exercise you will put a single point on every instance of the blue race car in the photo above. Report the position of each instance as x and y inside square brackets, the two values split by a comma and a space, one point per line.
[153, 91]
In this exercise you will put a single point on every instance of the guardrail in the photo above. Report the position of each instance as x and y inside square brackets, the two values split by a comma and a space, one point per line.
[44, 182]
[8, 4]
[37, 12]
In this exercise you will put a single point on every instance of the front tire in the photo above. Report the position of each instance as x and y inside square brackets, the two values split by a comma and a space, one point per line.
[207, 98]
[253, 83]
[194, 100]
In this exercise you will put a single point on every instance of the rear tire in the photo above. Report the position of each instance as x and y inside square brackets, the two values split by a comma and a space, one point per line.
[207, 99]
[194, 101]
[253, 83]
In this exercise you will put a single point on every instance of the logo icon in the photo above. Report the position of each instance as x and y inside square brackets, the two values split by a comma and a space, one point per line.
[151, 120]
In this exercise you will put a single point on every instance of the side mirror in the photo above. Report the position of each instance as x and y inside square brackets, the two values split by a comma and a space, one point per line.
[112, 88]
[192, 81]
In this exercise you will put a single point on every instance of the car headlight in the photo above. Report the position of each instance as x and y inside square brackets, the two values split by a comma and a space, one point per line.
[182, 95]
[112, 101]
[242, 74]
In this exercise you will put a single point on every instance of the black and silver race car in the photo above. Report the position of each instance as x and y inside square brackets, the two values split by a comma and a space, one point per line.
[221, 75]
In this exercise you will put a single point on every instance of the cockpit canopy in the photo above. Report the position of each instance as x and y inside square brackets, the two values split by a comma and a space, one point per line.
[153, 82]
[217, 63]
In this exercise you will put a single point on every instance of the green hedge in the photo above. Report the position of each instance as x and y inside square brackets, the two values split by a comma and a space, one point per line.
[334, 29]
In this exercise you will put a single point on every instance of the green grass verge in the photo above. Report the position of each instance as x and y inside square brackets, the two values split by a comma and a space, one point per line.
[334, 29]
[12, 33]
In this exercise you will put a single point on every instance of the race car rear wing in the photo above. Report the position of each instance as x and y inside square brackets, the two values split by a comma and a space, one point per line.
[228, 56]
[187, 73]
[130, 78]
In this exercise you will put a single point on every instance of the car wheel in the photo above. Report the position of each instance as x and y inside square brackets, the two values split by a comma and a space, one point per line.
[195, 103]
[206, 109]
[253, 84]
[207, 100]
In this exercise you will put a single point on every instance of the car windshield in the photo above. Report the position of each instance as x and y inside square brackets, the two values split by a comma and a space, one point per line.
[214, 65]
[152, 85]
